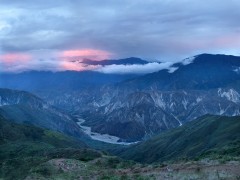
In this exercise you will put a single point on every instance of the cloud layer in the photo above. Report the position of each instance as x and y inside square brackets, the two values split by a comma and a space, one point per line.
[136, 68]
[51, 34]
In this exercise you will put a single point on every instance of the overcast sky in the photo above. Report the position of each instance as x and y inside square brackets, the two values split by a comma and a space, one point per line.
[49, 34]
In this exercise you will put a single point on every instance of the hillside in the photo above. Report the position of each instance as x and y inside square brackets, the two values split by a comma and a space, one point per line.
[201, 72]
[208, 136]
[23, 147]
[28, 152]
[24, 107]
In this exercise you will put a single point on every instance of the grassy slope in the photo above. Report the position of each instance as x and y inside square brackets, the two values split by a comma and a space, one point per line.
[35, 153]
[206, 136]
[32, 152]
[23, 147]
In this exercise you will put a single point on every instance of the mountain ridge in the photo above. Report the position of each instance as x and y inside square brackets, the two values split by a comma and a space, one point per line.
[23, 107]
[176, 97]
[126, 61]
[154, 102]
[205, 137]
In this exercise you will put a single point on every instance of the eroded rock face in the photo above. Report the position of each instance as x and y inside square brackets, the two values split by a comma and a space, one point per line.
[24, 107]
[142, 114]
[153, 103]
[139, 107]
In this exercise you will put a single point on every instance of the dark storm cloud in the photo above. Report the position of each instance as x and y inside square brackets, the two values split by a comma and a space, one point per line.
[153, 29]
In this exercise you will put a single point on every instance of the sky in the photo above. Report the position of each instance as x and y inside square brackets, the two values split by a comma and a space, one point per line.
[52, 35]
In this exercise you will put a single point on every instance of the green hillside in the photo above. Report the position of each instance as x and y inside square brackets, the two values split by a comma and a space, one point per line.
[209, 136]
[23, 147]
[28, 152]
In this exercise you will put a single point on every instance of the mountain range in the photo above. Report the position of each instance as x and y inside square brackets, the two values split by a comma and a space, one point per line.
[127, 61]
[136, 107]
[181, 122]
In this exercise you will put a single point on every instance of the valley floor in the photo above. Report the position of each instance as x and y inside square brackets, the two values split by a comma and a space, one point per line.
[101, 137]
[111, 168]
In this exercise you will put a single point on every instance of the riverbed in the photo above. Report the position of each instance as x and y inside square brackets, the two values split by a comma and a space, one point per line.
[101, 137]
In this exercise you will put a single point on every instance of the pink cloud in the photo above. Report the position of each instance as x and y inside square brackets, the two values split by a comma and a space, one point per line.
[70, 58]
[65, 65]
[12, 58]
[228, 41]
[74, 66]
[51, 59]
[81, 54]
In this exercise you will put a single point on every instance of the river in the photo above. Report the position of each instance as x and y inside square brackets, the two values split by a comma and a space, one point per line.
[101, 137]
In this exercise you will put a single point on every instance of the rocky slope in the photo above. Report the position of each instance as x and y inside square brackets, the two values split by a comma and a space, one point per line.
[23, 107]
[150, 112]
[140, 107]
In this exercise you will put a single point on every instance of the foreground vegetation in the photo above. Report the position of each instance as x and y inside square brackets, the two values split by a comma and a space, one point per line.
[116, 169]
[28, 152]
[23, 147]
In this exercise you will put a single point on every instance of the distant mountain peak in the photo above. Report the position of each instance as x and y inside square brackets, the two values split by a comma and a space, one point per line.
[126, 61]
[213, 59]
[189, 60]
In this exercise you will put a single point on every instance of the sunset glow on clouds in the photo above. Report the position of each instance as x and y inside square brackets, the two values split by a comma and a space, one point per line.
[56, 60]
[9, 61]
[12, 58]
[57, 35]
[75, 66]
[70, 59]
[73, 60]
[87, 54]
